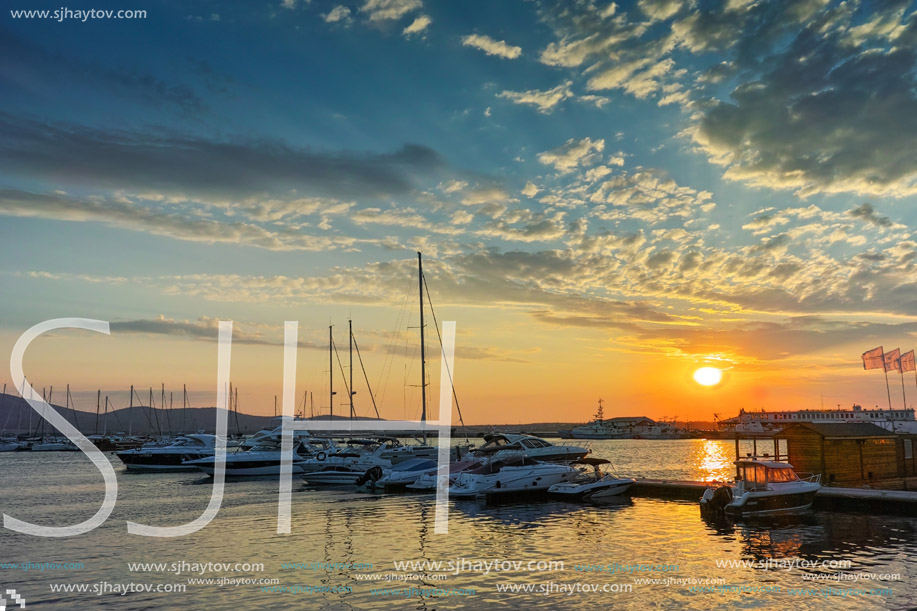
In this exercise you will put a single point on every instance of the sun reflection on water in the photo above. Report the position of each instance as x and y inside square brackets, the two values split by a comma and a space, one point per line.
[713, 462]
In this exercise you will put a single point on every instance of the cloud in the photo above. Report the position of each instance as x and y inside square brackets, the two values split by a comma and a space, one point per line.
[338, 14]
[125, 214]
[32, 69]
[867, 213]
[819, 114]
[660, 10]
[389, 10]
[192, 166]
[490, 46]
[204, 328]
[419, 25]
[573, 153]
[545, 101]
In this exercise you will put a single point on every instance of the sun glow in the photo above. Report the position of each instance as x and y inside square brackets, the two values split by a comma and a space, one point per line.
[708, 376]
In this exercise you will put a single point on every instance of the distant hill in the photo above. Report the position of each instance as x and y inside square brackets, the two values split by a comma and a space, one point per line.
[16, 414]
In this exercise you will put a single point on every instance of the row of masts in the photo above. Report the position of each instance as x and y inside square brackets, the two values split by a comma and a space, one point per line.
[234, 396]
[106, 408]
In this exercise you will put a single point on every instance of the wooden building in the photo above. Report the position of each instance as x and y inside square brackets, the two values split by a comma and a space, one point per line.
[848, 454]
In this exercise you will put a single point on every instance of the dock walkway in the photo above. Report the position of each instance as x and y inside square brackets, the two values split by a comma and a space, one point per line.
[829, 498]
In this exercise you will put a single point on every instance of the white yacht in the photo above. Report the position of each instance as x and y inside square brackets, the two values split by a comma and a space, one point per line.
[511, 475]
[427, 481]
[762, 487]
[54, 445]
[264, 459]
[503, 445]
[170, 457]
[592, 482]
[357, 454]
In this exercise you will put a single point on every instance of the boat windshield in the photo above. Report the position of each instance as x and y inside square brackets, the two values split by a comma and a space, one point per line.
[781, 475]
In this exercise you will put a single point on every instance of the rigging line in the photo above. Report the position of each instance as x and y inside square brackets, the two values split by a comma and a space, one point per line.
[389, 361]
[445, 364]
[341, 365]
[150, 422]
[371, 396]
[115, 412]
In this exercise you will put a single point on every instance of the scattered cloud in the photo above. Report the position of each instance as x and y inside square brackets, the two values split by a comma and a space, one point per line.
[490, 46]
[418, 26]
[573, 153]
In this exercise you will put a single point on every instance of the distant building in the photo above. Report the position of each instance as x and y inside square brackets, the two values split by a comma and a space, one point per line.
[896, 420]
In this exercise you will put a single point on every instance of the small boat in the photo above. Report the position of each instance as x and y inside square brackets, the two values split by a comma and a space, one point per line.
[358, 454]
[592, 482]
[511, 475]
[264, 459]
[54, 446]
[9, 445]
[502, 445]
[334, 475]
[399, 476]
[170, 457]
[427, 481]
[762, 487]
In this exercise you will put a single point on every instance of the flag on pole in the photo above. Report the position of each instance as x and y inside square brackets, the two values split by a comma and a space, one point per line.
[908, 362]
[874, 359]
[893, 360]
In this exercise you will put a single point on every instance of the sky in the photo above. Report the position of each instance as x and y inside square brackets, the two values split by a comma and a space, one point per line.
[607, 196]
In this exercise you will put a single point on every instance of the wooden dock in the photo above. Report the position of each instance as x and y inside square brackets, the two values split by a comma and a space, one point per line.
[829, 498]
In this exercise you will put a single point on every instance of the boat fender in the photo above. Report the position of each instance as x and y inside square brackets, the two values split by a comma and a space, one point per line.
[321, 456]
[498, 484]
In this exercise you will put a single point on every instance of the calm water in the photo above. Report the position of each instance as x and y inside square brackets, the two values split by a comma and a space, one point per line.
[346, 526]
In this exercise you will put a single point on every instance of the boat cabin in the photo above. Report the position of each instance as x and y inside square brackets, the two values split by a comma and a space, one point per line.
[758, 474]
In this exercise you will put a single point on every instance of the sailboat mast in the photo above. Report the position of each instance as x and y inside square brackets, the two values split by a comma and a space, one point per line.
[423, 353]
[350, 329]
[331, 371]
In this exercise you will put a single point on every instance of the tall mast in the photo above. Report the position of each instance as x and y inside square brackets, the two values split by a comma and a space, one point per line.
[98, 407]
[331, 371]
[423, 354]
[352, 393]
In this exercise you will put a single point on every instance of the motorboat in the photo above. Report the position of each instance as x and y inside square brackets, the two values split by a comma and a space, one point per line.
[334, 475]
[405, 452]
[592, 482]
[514, 474]
[358, 454]
[171, 457]
[502, 445]
[399, 476]
[54, 445]
[762, 487]
[275, 429]
[265, 459]
[9, 445]
[427, 481]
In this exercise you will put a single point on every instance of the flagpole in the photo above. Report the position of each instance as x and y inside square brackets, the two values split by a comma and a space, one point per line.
[887, 387]
[904, 396]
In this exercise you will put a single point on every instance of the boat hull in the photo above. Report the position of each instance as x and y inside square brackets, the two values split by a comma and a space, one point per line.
[251, 469]
[337, 478]
[772, 504]
[137, 461]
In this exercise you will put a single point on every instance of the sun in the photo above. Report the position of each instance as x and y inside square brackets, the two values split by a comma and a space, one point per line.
[708, 376]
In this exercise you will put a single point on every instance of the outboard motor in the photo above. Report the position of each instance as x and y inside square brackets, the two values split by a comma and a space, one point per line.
[713, 503]
[372, 475]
